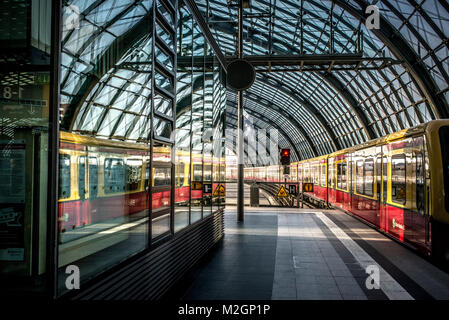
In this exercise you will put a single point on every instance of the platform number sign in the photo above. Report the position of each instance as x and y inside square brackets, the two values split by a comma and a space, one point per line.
[292, 189]
[207, 188]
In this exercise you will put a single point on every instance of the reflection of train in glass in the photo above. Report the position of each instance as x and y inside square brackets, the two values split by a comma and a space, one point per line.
[101, 180]
[399, 184]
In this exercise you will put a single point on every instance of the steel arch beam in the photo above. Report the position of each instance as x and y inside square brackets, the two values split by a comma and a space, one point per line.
[233, 126]
[234, 117]
[350, 100]
[400, 48]
[306, 105]
[120, 44]
[257, 99]
[262, 118]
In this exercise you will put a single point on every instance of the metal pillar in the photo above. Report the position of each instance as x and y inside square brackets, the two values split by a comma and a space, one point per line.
[240, 141]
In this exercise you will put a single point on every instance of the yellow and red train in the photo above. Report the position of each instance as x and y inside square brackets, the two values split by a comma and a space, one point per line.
[399, 184]
[102, 180]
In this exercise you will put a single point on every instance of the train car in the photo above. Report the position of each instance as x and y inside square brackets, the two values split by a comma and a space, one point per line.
[274, 173]
[398, 184]
[182, 176]
[100, 180]
[315, 171]
[339, 182]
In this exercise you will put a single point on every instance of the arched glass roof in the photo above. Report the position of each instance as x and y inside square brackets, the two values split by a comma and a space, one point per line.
[105, 74]
[326, 110]
[401, 80]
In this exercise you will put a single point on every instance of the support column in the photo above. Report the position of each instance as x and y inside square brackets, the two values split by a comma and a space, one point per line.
[240, 139]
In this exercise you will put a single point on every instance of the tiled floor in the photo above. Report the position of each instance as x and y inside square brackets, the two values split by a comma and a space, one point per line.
[242, 266]
[292, 254]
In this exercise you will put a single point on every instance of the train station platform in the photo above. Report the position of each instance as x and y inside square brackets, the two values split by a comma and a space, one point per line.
[305, 254]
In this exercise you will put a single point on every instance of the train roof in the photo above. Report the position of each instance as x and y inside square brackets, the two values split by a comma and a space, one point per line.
[420, 129]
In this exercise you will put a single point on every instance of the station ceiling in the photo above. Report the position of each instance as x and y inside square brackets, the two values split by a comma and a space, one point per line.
[401, 81]
[401, 78]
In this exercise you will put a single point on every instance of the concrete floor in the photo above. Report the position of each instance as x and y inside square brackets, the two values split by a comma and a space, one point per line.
[305, 254]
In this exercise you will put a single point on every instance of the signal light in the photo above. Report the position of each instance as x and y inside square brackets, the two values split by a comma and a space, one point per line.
[285, 157]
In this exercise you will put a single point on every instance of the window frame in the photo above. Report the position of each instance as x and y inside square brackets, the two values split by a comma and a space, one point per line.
[342, 162]
[393, 199]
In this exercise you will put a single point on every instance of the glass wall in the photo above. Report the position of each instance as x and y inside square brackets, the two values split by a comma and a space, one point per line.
[200, 106]
[116, 139]
[136, 146]
[183, 137]
[25, 137]
[124, 185]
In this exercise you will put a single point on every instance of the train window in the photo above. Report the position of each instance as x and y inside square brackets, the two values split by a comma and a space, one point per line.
[197, 172]
[82, 177]
[369, 178]
[398, 183]
[341, 175]
[147, 174]
[420, 183]
[316, 174]
[114, 175]
[384, 178]
[93, 177]
[359, 186]
[293, 173]
[307, 174]
[208, 172]
[323, 175]
[64, 176]
[364, 172]
[162, 176]
[331, 173]
[180, 169]
[133, 174]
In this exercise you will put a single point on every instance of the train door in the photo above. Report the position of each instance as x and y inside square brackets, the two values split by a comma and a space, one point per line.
[379, 184]
[383, 189]
[92, 187]
[83, 214]
[421, 219]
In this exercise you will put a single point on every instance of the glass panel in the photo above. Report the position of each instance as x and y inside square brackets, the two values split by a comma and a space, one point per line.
[64, 176]
[341, 175]
[165, 12]
[105, 220]
[162, 128]
[160, 224]
[82, 177]
[104, 212]
[398, 186]
[163, 82]
[162, 177]
[161, 194]
[197, 125]
[183, 123]
[163, 59]
[369, 177]
[163, 105]
[93, 177]
[323, 175]
[24, 177]
[165, 36]
[207, 141]
[359, 177]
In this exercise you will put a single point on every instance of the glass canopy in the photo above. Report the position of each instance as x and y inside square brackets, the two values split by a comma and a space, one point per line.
[323, 110]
